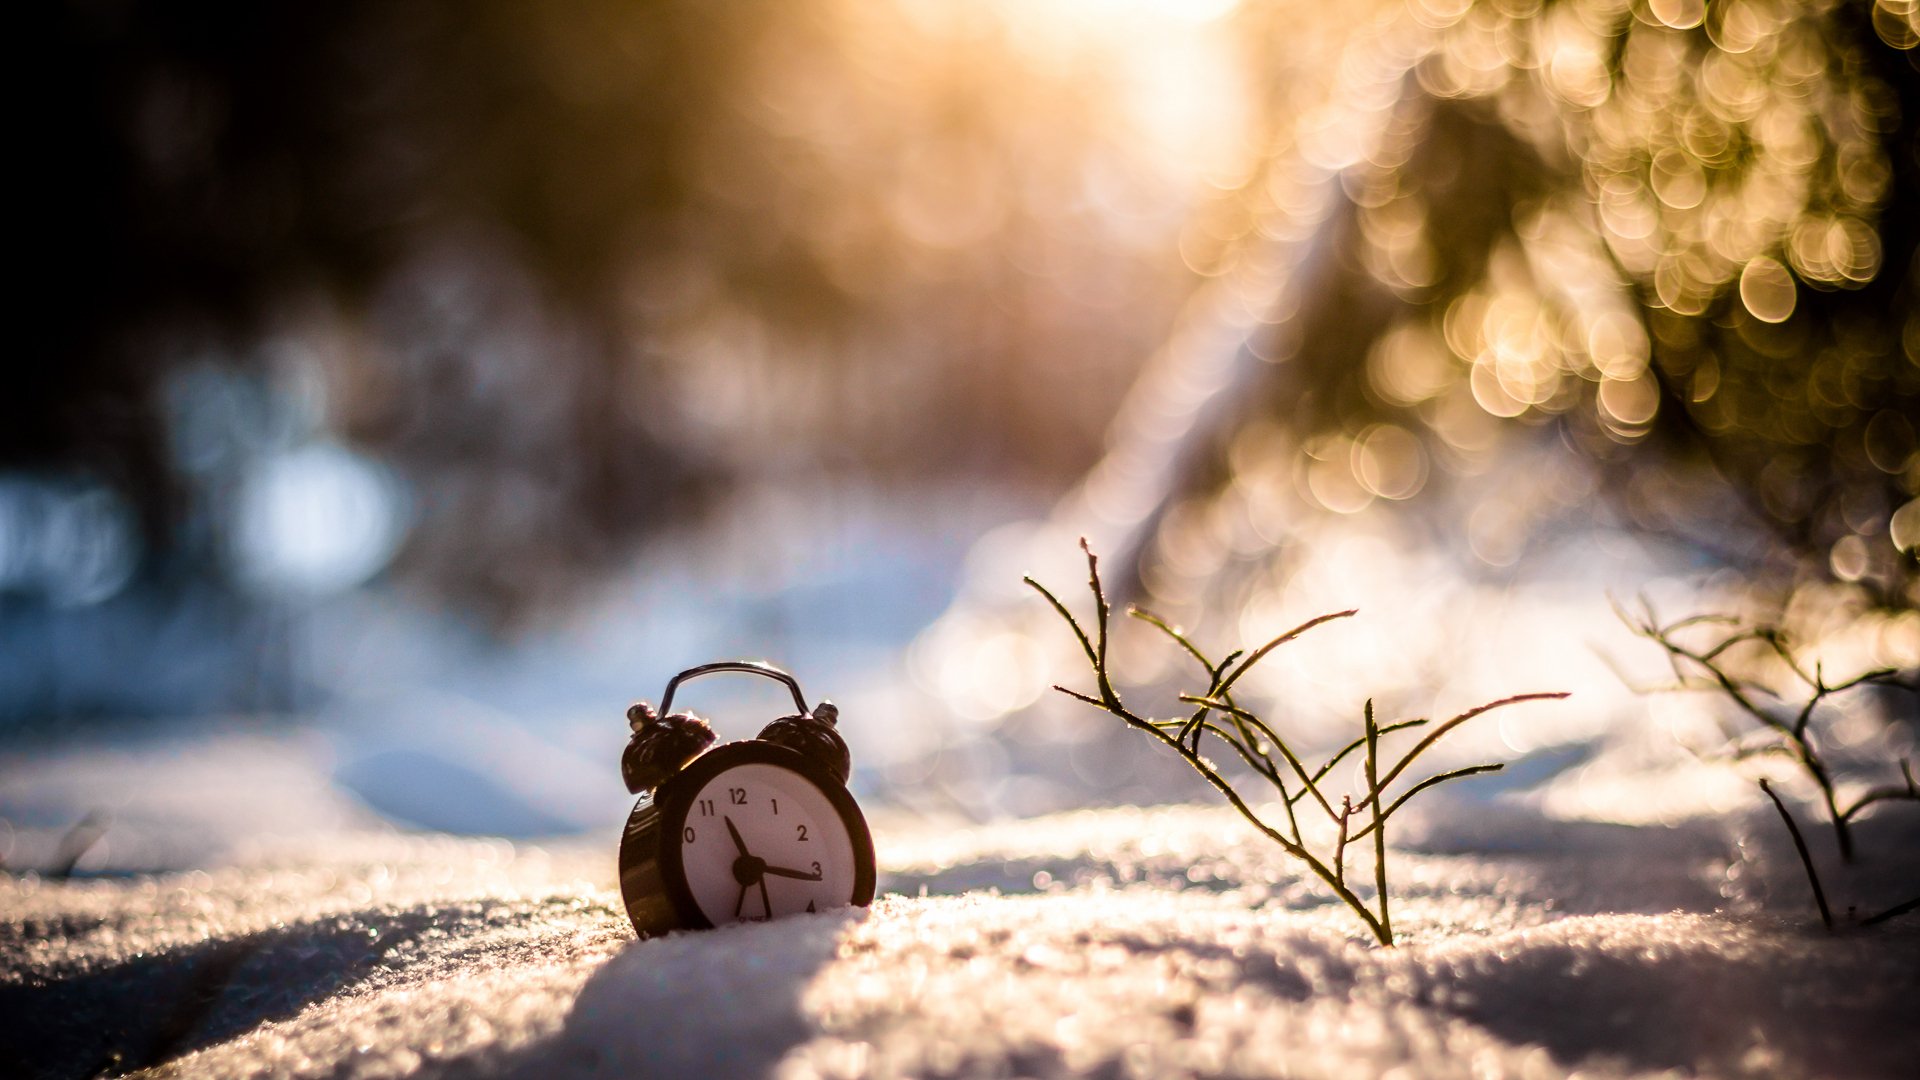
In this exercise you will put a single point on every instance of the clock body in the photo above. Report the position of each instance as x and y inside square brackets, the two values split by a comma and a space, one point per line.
[746, 832]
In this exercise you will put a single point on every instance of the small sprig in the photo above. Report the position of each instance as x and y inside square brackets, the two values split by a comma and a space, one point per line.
[1263, 750]
[1784, 717]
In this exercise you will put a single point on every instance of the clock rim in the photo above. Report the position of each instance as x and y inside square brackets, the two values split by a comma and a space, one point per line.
[674, 799]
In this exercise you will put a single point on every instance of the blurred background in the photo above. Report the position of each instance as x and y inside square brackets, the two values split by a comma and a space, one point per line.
[409, 387]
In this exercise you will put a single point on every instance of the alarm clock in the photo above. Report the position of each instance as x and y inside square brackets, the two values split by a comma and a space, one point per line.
[744, 832]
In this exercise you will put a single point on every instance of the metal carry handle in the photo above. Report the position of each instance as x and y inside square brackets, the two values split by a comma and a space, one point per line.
[751, 667]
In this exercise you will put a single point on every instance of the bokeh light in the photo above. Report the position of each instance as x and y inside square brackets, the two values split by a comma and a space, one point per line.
[476, 344]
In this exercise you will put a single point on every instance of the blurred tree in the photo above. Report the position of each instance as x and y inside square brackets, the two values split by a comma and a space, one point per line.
[568, 268]
[1511, 277]
[199, 174]
[1676, 240]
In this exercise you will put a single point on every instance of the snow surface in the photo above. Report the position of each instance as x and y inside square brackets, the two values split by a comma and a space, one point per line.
[1170, 942]
[1611, 905]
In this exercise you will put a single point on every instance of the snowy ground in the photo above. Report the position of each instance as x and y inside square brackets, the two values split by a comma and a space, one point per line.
[1103, 943]
[270, 896]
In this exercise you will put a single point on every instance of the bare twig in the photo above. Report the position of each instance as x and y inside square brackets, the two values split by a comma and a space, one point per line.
[1379, 819]
[1110, 701]
[1434, 736]
[1893, 912]
[1260, 653]
[1788, 730]
[1340, 848]
[1431, 781]
[1910, 791]
[1256, 743]
[1806, 860]
[77, 841]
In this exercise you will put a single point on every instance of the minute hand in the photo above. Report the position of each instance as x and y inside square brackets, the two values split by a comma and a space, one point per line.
[781, 871]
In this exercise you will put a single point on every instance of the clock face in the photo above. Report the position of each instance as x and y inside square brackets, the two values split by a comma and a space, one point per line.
[760, 841]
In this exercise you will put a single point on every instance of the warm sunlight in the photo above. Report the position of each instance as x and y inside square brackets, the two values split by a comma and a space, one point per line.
[898, 538]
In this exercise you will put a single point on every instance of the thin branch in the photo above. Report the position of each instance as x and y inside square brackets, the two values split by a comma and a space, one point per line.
[1340, 843]
[1778, 642]
[1264, 766]
[1435, 735]
[1179, 638]
[77, 841]
[1432, 781]
[1253, 760]
[1742, 638]
[1260, 653]
[1877, 675]
[1061, 609]
[1701, 620]
[1101, 611]
[1743, 747]
[1286, 752]
[1893, 912]
[1886, 794]
[1078, 696]
[1806, 860]
[1735, 691]
[1362, 741]
[1379, 819]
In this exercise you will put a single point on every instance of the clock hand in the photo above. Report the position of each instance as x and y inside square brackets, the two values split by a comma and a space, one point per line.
[735, 833]
[781, 871]
[765, 903]
[740, 903]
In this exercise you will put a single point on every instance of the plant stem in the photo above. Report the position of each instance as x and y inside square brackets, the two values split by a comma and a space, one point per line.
[1220, 784]
[1795, 736]
[1806, 860]
[1379, 822]
[1255, 742]
[1893, 912]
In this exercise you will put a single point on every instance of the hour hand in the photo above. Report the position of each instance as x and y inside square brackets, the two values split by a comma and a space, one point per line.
[781, 871]
[735, 833]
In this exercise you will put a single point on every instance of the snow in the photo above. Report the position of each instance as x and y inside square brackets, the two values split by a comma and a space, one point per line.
[259, 901]
[1124, 942]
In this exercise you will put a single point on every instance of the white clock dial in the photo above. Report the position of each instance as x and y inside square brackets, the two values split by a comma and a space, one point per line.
[761, 841]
